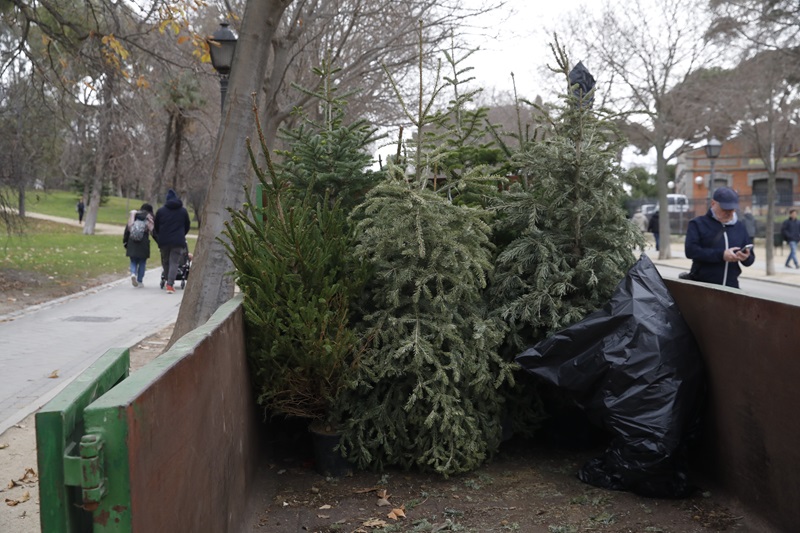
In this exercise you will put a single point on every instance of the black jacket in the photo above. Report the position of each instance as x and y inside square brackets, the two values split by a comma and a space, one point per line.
[172, 222]
[706, 240]
[790, 229]
[141, 249]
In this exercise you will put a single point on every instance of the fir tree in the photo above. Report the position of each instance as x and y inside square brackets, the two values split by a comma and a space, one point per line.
[294, 266]
[426, 389]
[330, 156]
[572, 243]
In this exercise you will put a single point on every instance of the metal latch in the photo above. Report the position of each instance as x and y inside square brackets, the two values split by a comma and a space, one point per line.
[86, 471]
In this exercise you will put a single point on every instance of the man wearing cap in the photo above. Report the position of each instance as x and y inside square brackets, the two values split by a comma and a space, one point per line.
[715, 242]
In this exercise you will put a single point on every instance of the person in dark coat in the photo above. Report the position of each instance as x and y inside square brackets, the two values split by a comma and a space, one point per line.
[749, 223]
[139, 251]
[80, 207]
[790, 229]
[172, 223]
[715, 242]
[652, 226]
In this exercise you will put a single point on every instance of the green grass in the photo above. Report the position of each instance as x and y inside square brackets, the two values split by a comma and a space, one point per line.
[62, 204]
[59, 255]
[64, 253]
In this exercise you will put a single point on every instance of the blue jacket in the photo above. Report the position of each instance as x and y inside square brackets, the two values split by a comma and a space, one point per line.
[172, 222]
[706, 240]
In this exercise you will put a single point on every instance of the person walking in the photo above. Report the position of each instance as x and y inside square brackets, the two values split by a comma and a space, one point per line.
[652, 226]
[640, 220]
[749, 223]
[171, 226]
[80, 207]
[790, 230]
[136, 240]
[717, 242]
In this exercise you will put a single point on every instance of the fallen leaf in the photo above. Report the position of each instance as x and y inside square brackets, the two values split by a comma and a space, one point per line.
[323, 516]
[397, 513]
[19, 426]
[25, 497]
[383, 494]
[364, 491]
[29, 475]
[53, 374]
[375, 522]
[383, 502]
[326, 506]
[3, 446]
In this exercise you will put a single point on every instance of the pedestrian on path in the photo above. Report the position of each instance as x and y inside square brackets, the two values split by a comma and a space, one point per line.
[716, 242]
[136, 240]
[749, 223]
[80, 207]
[172, 223]
[652, 226]
[790, 229]
[640, 220]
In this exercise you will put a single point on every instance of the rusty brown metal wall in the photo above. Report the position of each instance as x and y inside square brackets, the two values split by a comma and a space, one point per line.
[194, 441]
[751, 347]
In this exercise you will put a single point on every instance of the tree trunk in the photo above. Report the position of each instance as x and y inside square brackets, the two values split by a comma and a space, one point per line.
[211, 285]
[21, 197]
[101, 156]
[664, 227]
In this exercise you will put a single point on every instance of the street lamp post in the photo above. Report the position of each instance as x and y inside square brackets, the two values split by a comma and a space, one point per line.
[221, 46]
[713, 149]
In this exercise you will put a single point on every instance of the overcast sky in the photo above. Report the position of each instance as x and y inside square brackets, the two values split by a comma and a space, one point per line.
[525, 29]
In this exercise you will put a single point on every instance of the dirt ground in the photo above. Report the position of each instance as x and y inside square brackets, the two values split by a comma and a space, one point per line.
[526, 488]
[21, 289]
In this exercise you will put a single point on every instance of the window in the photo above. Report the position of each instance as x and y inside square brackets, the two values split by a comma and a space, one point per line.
[783, 191]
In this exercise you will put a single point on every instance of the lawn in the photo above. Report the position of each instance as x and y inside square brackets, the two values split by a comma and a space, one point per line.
[62, 204]
[63, 252]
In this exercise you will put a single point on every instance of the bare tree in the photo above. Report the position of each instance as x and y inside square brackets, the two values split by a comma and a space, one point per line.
[359, 38]
[763, 97]
[759, 24]
[283, 41]
[232, 167]
[642, 51]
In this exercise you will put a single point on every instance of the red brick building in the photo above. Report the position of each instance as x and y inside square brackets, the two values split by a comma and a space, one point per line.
[738, 168]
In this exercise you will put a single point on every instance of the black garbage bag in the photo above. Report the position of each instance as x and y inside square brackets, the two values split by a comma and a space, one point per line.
[635, 368]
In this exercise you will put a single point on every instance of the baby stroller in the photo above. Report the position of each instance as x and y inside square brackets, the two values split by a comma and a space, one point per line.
[183, 271]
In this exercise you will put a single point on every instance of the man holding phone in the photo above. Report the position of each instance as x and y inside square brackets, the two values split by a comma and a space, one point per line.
[717, 242]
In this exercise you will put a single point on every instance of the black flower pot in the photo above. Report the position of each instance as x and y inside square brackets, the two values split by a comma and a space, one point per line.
[328, 460]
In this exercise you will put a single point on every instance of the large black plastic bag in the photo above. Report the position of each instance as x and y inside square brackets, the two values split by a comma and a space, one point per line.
[635, 368]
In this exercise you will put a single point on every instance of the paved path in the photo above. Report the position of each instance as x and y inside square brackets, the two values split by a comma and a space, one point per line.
[65, 336]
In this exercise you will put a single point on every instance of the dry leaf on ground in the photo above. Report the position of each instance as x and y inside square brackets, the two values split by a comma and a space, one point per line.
[397, 513]
[25, 497]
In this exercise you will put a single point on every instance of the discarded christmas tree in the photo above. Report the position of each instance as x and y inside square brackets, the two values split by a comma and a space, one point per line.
[573, 241]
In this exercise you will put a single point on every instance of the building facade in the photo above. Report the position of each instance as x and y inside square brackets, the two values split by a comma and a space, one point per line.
[739, 168]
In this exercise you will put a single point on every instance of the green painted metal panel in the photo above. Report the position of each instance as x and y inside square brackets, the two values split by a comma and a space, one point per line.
[112, 512]
[59, 429]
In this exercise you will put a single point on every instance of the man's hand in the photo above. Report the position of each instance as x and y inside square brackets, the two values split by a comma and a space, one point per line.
[731, 255]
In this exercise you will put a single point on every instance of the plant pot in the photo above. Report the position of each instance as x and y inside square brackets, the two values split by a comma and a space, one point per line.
[328, 461]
